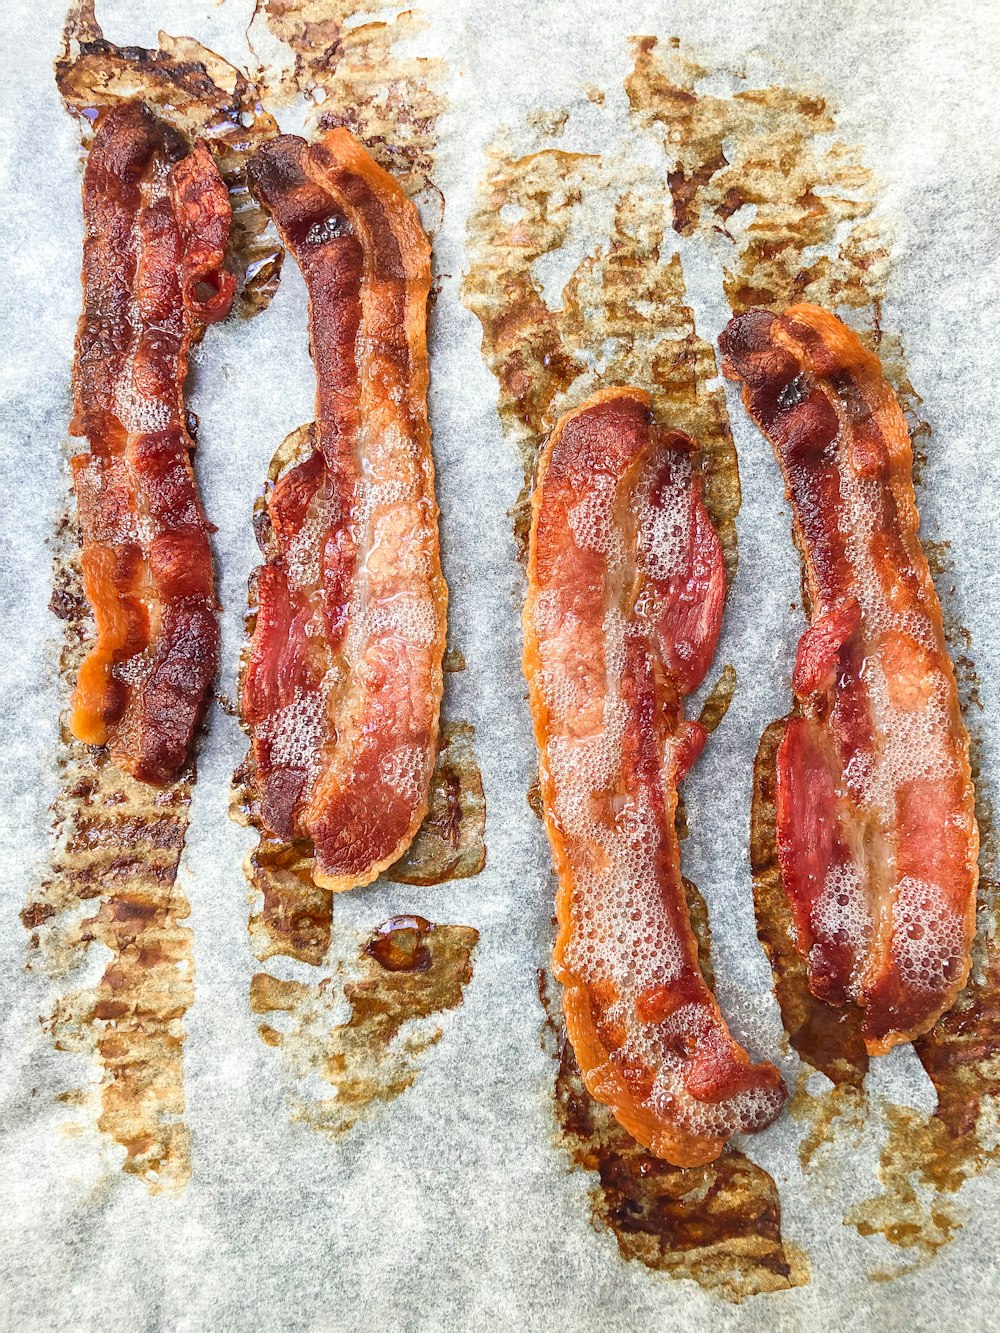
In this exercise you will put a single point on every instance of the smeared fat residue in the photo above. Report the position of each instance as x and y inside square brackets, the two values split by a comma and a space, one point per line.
[791, 213]
[718, 1224]
[111, 881]
[361, 1061]
[200, 95]
[406, 973]
[354, 75]
[621, 318]
[450, 843]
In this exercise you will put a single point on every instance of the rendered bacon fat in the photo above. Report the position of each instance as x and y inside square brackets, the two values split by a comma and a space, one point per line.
[877, 836]
[626, 585]
[343, 681]
[156, 223]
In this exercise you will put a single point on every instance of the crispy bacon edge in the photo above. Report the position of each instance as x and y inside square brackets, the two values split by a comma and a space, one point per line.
[668, 648]
[362, 501]
[898, 942]
[156, 227]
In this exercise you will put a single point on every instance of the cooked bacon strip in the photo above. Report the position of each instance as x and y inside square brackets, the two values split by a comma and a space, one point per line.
[877, 835]
[343, 682]
[626, 584]
[156, 227]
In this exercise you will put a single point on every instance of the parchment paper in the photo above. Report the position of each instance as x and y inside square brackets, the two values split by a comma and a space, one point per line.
[454, 1208]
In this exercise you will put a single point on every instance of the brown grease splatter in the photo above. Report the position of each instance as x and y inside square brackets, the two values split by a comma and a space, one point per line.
[357, 78]
[719, 697]
[409, 971]
[621, 318]
[454, 660]
[117, 844]
[798, 189]
[450, 843]
[718, 1224]
[201, 95]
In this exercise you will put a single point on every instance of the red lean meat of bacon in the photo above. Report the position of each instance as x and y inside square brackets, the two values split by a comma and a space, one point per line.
[876, 829]
[626, 585]
[343, 681]
[156, 224]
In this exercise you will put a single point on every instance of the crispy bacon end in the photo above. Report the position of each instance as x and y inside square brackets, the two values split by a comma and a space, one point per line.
[626, 584]
[877, 835]
[156, 223]
[343, 682]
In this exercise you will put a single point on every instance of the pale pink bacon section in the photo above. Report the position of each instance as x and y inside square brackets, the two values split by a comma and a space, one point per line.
[343, 682]
[876, 829]
[157, 221]
[626, 588]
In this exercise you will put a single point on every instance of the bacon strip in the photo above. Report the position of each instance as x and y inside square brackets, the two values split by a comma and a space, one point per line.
[877, 835]
[156, 227]
[343, 681]
[626, 584]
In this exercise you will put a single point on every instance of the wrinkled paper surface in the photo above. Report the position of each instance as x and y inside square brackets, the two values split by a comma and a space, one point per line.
[455, 1207]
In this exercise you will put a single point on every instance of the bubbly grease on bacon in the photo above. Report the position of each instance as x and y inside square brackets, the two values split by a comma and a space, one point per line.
[343, 680]
[876, 829]
[626, 588]
[157, 222]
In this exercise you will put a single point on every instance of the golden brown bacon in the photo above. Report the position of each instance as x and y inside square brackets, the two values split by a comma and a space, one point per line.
[343, 681]
[626, 585]
[877, 836]
[156, 225]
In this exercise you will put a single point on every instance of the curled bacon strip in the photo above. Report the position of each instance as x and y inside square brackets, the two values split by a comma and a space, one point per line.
[156, 228]
[877, 835]
[343, 681]
[626, 585]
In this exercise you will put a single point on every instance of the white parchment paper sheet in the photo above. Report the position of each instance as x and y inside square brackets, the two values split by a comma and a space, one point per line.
[453, 1209]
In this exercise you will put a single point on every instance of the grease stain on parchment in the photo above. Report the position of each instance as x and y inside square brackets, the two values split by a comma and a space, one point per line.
[111, 882]
[354, 69]
[451, 842]
[418, 970]
[718, 1224]
[791, 213]
[621, 317]
[201, 95]
[342, 1066]
[760, 172]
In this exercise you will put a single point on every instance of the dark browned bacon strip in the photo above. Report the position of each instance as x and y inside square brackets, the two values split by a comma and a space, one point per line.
[626, 584]
[876, 829]
[156, 223]
[343, 681]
